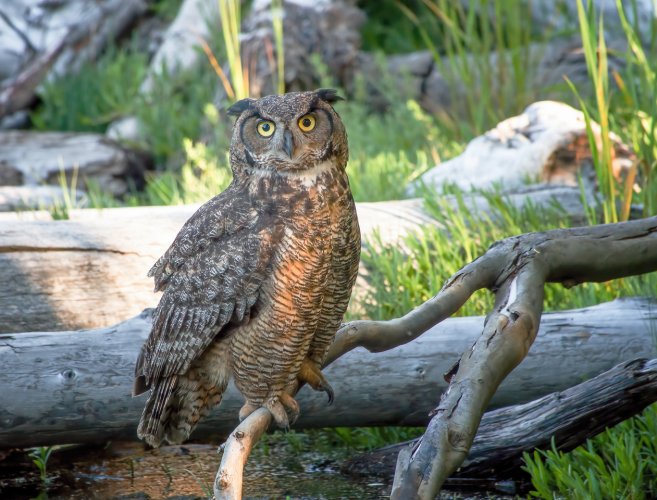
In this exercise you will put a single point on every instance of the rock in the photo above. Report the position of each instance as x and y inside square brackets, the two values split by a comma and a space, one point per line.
[17, 120]
[39, 198]
[36, 158]
[547, 142]
[125, 129]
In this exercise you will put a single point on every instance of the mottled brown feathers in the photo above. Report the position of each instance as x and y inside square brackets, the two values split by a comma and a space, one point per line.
[257, 280]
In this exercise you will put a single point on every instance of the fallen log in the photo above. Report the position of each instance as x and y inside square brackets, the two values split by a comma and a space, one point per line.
[51, 39]
[34, 158]
[68, 387]
[547, 141]
[56, 272]
[569, 417]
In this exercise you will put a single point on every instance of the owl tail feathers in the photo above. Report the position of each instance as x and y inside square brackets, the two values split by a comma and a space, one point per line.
[173, 409]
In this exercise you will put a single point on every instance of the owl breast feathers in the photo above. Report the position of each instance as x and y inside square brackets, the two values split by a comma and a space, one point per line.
[256, 282]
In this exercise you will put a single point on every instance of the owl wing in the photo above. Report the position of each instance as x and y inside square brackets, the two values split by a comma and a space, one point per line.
[211, 277]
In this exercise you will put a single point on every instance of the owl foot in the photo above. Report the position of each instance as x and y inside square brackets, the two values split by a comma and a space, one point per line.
[246, 410]
[284, 409]
[311, 374]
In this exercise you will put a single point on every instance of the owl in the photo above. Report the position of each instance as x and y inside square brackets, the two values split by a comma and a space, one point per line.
[257, 281]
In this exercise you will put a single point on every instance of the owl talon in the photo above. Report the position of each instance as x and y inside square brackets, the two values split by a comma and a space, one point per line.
[312, 375]
[291, 405]
[277, 411]
[329, 392]
[246, 410]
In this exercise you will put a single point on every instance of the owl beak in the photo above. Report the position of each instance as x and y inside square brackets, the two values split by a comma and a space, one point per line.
[288, 143]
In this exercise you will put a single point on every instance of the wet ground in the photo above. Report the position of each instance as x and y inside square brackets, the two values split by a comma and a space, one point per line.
[128, 471]
[277, 468]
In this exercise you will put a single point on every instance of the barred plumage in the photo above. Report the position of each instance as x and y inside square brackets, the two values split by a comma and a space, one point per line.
[257, 281]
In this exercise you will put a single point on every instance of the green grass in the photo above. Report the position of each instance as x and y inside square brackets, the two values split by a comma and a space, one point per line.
[403, 276]
[496, 87]
[98, 93]
[619, 463]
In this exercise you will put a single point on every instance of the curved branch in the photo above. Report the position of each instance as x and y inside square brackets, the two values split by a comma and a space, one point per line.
[228, 481]
[568, 256]
[378, 336]
[516, 269]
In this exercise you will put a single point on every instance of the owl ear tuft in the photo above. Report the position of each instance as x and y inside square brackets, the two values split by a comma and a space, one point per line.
[329, 95]
[239, 107]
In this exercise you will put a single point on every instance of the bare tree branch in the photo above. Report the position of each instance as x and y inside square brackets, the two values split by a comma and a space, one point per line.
[515, 269]
[566, 418]
[28, 43]
[228, 482]
[568, 256]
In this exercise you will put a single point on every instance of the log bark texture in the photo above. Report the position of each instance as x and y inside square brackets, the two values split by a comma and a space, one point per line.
[35, 158]
[67, 387]
[90, 271]
[570, 417]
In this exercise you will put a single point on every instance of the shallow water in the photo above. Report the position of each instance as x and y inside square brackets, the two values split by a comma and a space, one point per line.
[294, 466]
[126, 470]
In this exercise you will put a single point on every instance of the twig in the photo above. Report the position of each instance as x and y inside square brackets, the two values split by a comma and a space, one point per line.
[28, 43]
[228, 482]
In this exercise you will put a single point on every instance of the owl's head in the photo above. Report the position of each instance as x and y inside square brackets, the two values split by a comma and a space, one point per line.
[289, 133]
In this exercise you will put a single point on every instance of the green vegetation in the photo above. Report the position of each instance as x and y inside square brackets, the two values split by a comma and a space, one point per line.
[189, 139]
[400, 283]
[97, 94]
[40, 458]
[497, 86]
[620, 463]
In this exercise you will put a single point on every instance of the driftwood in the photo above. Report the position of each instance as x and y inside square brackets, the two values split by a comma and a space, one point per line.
[569, 417]
[67, 387]
[45, 39]
[516, 269]
[548, 141]
[54, 272]
[35, 158]
[39, 197]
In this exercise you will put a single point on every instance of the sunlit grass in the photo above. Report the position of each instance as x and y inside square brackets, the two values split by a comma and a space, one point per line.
[619, 463]
[100, 92]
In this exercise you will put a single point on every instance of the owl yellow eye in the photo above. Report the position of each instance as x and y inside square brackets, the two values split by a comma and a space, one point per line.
[266, 128]
[306, 123]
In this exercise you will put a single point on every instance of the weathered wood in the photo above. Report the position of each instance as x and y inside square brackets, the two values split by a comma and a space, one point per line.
[90, 271]
[548, 141]
[43, 39]
[56, 272]
[570, 417]
[75, 386]
[39, 197]
[516, 269]
[34, 158]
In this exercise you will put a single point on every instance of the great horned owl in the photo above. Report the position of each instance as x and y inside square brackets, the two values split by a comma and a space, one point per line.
[258, 279]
